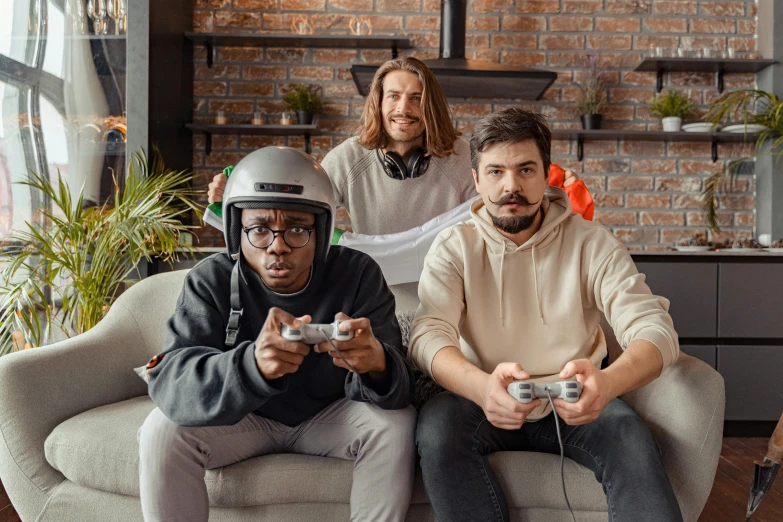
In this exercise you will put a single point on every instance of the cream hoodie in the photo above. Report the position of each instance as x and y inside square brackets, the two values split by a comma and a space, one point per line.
[538, 304]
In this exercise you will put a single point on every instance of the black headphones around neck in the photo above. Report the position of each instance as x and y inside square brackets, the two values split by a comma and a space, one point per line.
[395, 167]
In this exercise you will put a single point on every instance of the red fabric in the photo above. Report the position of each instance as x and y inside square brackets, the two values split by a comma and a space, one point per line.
[581, 200]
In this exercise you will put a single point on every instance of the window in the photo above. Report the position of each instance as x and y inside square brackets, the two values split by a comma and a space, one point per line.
[62, 89]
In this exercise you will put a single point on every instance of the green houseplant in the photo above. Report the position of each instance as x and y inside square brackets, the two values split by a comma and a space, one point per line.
[304, 99]
[752, 107]
[592, 96]
[62, 276]
[671, 107]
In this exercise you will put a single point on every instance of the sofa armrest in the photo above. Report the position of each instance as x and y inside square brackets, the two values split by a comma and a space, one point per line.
[684, 408]
[42, 387]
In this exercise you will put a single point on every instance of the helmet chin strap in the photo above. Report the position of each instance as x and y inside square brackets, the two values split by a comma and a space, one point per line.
[235, 318]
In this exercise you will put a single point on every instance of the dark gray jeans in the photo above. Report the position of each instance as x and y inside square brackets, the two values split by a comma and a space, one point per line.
[454, 438]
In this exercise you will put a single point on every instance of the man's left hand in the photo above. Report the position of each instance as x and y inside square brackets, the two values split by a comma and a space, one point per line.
[570, 177]
[596, 393]
[364, 352]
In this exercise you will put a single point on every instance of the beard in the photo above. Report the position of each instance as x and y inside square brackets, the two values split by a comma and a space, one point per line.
[513, 224]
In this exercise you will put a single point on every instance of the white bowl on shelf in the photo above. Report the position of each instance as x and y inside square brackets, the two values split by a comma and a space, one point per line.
[692, 248]
[740, 128]
[701, 127]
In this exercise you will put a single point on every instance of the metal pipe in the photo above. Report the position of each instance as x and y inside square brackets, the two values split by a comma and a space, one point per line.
[453, 16]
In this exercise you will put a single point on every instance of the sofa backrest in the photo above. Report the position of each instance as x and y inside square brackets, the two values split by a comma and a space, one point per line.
[151, 302]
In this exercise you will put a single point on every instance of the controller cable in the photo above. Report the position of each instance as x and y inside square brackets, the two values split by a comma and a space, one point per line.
[562, 453]
[358, 375]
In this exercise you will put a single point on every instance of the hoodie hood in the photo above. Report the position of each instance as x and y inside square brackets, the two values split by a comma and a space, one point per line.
[556, 208]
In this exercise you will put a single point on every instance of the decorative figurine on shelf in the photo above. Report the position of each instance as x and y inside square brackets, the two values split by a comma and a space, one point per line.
[360, 25]
[288, 118]
[300, 24]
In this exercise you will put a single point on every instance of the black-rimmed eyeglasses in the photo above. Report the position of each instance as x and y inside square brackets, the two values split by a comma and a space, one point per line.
[296, 236]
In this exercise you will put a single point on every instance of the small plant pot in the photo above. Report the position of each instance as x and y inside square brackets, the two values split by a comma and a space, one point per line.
[305, 117]
[672, 124]
[591, 121]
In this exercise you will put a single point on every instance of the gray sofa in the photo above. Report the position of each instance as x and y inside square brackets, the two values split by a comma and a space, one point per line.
[70, 413]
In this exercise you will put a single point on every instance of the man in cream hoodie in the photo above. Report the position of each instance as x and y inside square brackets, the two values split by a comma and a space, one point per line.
[517, 293]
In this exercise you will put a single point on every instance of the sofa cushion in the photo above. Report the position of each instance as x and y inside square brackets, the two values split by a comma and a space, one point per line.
[99, 449]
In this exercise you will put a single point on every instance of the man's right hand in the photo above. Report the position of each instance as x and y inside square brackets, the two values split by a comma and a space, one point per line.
[501, 409]
[217, 187]
[275, 355]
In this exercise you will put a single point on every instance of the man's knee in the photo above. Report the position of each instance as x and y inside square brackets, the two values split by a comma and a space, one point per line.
[397, 425]
[159, 436]
[440, 425]
[390, 431]
[629, 431]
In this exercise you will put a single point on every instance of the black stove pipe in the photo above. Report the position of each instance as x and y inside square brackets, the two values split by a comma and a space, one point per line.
[453, 19]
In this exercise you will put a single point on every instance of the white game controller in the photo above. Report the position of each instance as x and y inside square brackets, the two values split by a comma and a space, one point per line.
[525, 391]
[314, 333]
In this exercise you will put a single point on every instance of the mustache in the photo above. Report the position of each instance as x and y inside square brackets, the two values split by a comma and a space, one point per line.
[403, 116]
[518, 198]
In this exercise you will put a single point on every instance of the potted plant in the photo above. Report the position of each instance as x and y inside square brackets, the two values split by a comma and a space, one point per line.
[304, 99]
[61, 273]
[753, 107]
[671, 107]
[592, 98]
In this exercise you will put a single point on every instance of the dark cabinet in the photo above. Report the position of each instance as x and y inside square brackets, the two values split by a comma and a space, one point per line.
[692, 290]
[754, 378]
[751, 300]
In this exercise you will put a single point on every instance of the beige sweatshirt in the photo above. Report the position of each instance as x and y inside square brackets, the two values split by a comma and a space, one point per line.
[538, 304]
[381, 205]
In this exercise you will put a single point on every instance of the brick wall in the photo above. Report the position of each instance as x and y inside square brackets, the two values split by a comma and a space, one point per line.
[647, 193]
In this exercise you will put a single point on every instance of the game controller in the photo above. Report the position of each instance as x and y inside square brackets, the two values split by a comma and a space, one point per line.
[526, 391]
[314, 333]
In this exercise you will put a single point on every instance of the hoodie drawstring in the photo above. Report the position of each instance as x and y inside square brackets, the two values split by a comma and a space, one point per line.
[535, 278]
[500, 303]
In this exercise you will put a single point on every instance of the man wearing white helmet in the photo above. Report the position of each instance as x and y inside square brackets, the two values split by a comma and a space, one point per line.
[230, 387]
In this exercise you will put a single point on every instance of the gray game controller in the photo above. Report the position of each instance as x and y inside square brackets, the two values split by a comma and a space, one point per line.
[314, 333]
[526, 391]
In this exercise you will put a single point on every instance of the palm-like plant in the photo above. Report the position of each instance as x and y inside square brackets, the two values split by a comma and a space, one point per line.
[755, 107]
[65, 275]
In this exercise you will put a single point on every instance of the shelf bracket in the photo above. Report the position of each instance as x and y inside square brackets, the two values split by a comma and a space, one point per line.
[580, 148]
[210, 53]
[659, 81]
[719, 77]
[307, 143]
[714, 150]
[208, 144]
[394, 51]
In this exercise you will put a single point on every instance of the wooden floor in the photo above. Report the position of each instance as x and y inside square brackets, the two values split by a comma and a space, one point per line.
[728, 500]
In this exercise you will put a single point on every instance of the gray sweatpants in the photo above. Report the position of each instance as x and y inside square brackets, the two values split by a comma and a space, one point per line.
[380, 442]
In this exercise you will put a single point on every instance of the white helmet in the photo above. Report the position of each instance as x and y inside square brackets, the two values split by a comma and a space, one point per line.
[279, 178]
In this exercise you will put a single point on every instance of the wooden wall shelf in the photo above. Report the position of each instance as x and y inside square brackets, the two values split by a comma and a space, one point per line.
[347, 41]
[719, 66]
[208, 129]
[643, 135]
